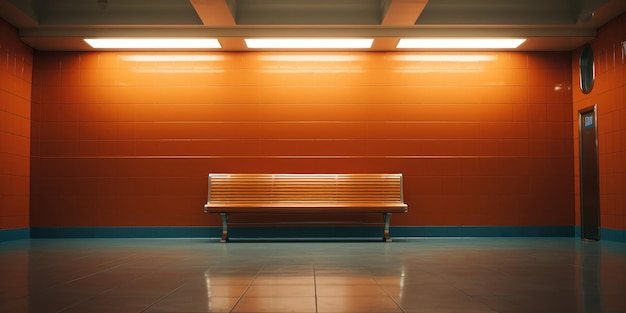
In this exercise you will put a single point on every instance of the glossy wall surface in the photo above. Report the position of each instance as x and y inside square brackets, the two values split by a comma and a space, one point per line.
[16, 62]
[609, 94]
[127, 139]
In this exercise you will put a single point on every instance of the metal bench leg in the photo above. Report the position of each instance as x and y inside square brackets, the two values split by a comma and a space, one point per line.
[387, 219]
[224, 227]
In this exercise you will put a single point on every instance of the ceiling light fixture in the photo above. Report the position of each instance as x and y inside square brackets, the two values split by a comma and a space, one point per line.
[459, 43]
[309, 43]
[153, 43]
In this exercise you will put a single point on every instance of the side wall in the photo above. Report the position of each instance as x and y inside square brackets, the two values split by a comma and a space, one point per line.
[609, 93]
[16, 61]
[127, 139]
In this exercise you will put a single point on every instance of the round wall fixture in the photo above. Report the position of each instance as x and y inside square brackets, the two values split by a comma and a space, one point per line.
[586, 69]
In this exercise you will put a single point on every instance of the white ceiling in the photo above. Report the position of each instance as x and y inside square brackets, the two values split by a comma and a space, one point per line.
[548, 24]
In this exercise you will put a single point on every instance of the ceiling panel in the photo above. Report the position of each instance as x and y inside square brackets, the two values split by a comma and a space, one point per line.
[547, 24]
[115, 12]
[308, 12]
[499, 12]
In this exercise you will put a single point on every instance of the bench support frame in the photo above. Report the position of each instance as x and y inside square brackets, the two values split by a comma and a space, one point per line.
[386, 219]
[225, 217]
[224, 227]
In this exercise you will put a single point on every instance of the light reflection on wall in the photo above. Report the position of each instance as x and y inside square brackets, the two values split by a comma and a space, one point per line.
[174, 63]
[311, 63]
[559, 87]
[442, 63]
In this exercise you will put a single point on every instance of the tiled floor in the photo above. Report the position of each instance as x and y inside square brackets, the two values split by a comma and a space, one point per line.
[507, 275]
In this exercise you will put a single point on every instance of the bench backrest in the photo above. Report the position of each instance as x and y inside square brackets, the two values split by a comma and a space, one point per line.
[272, 188]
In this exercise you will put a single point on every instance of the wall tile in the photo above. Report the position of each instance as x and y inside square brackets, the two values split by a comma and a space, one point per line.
[609, 95]
[130, 142]
[15, 129]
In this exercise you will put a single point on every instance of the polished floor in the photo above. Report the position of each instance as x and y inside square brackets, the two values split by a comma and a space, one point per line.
[465, 275]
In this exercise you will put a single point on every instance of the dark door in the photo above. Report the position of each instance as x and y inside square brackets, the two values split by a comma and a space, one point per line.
[589, 177]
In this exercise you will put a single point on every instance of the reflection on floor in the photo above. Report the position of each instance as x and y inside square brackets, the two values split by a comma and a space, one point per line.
[466, 275]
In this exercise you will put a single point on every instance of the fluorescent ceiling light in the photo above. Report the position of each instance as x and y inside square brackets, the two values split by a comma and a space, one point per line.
[312, 58]
[309, 43]
[153, 43]
[459, 43]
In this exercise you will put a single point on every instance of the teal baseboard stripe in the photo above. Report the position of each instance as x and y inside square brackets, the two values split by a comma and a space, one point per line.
[483, 231]
[610, 234]
[577, 232]
[14, 234]
[125, 232]
[305, 232]
[302, 232]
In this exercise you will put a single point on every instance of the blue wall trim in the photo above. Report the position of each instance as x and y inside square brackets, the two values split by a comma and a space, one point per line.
[125, 232]
[607, 234]
[305, 232]
[483, 231]
[302, 232]
[613, 234]
[14, 234]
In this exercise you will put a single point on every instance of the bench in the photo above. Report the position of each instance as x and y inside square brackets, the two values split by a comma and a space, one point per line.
[305, 193]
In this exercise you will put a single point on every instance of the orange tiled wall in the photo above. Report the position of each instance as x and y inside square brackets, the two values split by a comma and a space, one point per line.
[129, 138]
[15, 94]
[609, 93]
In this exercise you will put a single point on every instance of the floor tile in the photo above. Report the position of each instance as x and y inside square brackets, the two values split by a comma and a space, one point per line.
[350, 291]
[182, 304]
[442, 275]
[345, 280]
[205, 289]
[281, 291]
[223, 280]
[113, 303]
[458, 303]
[284, 280]
[357, 304]
[275, 304]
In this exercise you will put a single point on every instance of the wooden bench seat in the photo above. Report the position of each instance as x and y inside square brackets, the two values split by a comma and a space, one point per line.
[305, 193]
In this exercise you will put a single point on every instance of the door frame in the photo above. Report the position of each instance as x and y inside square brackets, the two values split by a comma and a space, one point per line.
[581, 112]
